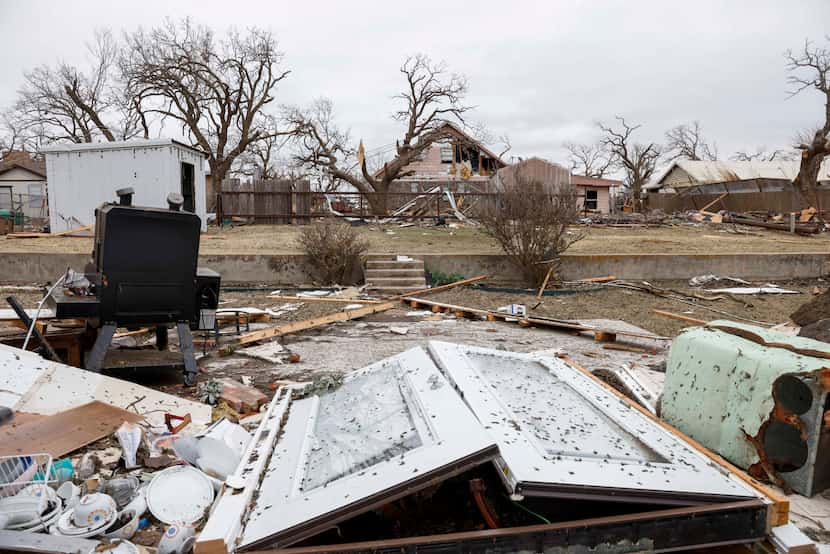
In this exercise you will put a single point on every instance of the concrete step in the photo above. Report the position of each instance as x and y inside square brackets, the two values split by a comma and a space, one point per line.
[396, 289]
[373, 273]
[392, 264]
[396, 282]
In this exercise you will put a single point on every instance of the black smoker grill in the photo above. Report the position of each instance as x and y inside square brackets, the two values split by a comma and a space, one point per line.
[144, 274]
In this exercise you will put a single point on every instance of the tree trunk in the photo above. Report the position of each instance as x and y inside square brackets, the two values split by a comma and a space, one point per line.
[807, 179]
[636, 196]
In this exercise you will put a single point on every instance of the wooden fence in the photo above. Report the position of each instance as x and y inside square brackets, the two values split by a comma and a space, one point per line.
[775, 202]
[286, 202]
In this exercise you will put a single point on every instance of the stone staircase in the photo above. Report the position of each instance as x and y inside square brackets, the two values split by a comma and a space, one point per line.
[388, 275]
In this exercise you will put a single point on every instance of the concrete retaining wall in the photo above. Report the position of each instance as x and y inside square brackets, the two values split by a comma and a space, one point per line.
[293, 269]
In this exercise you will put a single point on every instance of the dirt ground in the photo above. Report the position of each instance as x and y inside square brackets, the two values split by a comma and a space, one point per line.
[429, 239]
[638, 308]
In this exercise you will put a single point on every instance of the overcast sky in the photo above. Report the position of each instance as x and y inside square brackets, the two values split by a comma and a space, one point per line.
[541, 72]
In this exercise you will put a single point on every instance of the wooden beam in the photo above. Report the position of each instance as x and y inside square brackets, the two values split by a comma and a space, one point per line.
[606, 279]
[679, 317]
[492, 315]
[545, 282]
[296, 326]
[780, 504]
[323, 299]
[713, 202]
[442, 288]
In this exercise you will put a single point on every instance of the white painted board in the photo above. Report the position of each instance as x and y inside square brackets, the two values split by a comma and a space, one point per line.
[560, 433]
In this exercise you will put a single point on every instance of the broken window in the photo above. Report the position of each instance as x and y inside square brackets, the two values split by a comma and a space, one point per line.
[188, 191]
[560, 433]
[591, 199]
[446, 153]
[5, 198]
[386, 431]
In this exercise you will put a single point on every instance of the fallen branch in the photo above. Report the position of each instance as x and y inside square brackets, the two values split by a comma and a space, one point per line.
[679, 317]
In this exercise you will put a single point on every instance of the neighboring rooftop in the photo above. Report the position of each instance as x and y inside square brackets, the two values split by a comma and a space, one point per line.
[688, 173]
[22, 160]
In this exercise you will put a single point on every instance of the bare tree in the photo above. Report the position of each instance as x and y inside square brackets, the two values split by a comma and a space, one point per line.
[66, 103]
[431, 98]
[262, 158]
[591, 160]
[530, 220]
[761, 154]
[686, 141]
[215, 89]
[810, 69]
[637, 159]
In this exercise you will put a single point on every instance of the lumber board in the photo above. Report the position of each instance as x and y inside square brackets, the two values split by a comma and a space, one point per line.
[545, 282]
[606, 279]
[713, 202]
[433, 290]
[492, 315]
[680, 317]
[296, 326]
[66, 431]
[780, 504]
[322, 299]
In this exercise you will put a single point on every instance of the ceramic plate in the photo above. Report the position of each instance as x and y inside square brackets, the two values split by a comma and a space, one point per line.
[179, 493]
[65, 526]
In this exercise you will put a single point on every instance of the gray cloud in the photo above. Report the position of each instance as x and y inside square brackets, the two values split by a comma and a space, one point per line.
[541, 72]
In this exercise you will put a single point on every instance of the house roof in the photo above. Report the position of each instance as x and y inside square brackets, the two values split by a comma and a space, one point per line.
[705, 172]
[23, 160]
[118, 145]
[583, 181]
[460, 133]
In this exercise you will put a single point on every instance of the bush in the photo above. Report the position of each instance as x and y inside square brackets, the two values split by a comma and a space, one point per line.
[529, 219]
[334, 250]
[438, 278]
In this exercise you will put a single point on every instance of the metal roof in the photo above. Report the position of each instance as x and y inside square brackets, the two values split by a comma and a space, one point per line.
[704, 172]
[118, 145]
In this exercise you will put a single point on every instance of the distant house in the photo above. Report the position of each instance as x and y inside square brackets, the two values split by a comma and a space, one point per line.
[710, 177]
[592, 194]
[457, 162]
[23, 185]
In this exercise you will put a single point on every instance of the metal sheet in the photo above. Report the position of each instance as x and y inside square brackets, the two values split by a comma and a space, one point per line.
[386, 431]
[562, 434]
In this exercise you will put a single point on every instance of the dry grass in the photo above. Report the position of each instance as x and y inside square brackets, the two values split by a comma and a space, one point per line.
[281, 239]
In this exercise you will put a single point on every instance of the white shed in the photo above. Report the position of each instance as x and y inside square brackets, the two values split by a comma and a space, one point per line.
[83, 176]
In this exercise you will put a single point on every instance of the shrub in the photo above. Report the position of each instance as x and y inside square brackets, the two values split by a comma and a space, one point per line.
[438, 278]
[529, 219]
[334, 250]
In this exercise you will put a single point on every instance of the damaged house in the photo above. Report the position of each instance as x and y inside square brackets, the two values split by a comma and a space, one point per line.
[458, 163]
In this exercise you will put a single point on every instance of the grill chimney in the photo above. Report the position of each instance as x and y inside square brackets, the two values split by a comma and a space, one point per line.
[175, 201]
[125, 196]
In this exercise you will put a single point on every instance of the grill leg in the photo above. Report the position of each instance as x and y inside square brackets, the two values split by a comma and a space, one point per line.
[161, 337]
[186, 346]
[95, 360]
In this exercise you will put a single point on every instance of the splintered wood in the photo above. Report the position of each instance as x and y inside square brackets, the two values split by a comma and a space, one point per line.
[65, 431]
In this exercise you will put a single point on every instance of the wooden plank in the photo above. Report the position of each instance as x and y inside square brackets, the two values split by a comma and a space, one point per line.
[433, 290]
[780, 504]
[713, 202]
[525, 321]
[71, 231]
[241, 397]
[545, 282]
[680, 317]
[606, 279]
[296, 326]
[322, 299]
[65, 431]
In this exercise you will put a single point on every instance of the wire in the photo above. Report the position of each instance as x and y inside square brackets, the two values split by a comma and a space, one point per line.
[528, 510]
[39, 306]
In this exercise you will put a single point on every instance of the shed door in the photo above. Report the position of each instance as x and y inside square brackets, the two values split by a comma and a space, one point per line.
[187, 187]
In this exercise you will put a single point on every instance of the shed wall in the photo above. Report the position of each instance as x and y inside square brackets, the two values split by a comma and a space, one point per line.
[80, 181]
